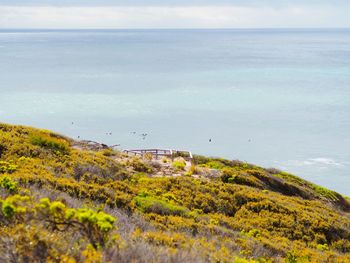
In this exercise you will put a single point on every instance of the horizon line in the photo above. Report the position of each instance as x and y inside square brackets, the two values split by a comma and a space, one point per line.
[181, 28]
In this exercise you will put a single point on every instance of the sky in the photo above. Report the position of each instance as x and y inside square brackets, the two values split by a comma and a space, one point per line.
[70, 14]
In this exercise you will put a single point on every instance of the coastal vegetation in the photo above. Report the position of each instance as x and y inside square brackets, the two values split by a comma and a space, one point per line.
[62, 203]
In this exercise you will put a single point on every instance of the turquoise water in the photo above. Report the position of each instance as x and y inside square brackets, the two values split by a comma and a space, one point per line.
[278, 98]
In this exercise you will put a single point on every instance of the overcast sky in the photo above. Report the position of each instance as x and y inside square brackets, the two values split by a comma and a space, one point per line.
[174, 14]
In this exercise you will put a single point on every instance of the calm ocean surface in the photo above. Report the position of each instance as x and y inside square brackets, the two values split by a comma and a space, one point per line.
[277, 98]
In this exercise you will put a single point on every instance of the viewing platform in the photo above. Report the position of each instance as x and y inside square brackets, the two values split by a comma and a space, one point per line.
[156, 153]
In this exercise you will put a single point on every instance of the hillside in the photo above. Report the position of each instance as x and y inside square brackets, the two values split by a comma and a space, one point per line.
[61, 202]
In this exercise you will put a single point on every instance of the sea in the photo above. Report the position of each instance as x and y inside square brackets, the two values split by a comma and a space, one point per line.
[273, 97]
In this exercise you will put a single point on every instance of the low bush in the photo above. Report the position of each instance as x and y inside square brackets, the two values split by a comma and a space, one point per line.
[138, 165]
[7, 167]
[8, 184]
[179, 164]
[232, 176]
[323, 192]
[215, 165]
[58, 146]
[322, 247]
[148, 204]
[91, 224]
[94, 173]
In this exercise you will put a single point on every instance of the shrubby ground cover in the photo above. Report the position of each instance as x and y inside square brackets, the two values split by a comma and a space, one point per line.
[60, 203]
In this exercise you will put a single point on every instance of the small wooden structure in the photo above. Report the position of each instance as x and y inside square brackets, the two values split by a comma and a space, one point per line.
[187, 155]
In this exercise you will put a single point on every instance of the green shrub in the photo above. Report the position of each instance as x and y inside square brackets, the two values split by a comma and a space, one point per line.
[254, 233]
[14, 206]
[322, 247]
[215, 165]
[179, 164]
[342, 245]
[8, 184]
[329, 194]
[7, 167]
[233, 177]
[58, 146]
[139, 166]
[291, 258]
[8, 209]
[95, 225]
[227, 175]
[148, 204]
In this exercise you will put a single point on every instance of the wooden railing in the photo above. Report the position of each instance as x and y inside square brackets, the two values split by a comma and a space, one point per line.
[187, 155]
